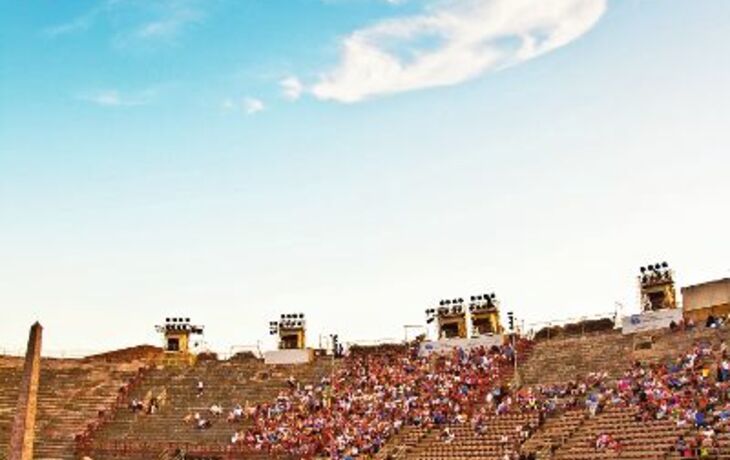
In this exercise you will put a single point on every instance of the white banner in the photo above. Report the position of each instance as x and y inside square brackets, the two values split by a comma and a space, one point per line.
[288, 356]
[448, 345]
[650, 320]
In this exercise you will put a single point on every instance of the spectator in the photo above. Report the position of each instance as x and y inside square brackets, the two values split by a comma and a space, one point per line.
[236, 415]
[292, 382]
[153, 406]
[136, 405]
[216, 410]
[447, 436]
[200, 422]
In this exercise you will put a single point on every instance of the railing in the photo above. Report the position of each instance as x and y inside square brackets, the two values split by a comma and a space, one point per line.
[236, 349]
[374, 343]
[532, 329]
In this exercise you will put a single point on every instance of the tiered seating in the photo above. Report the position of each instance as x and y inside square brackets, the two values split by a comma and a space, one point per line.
[420, 442]
[227, 383]
[666, 344]
[570, 432]
[71, 393]
[638, 439]
[403, 442]
[561, 360]
[147, 353]
[74, 391]
[554, 432]
[467, 444]
[722, 450]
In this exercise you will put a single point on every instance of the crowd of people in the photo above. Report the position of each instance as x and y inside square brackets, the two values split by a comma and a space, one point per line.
[371, 396]
[692, 391]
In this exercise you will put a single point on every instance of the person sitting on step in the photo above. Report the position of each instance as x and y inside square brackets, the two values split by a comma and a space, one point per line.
[216, 410]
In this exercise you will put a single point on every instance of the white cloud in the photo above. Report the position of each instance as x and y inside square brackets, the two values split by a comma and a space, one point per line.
[292, 88]
[252, 105]
[451, 43]
[114, 98]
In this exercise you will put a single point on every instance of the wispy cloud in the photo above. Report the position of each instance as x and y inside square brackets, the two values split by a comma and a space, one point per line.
[291, 87]
[253, 105]
[115, 98]
[168, 23]
[136, 21]
[77, 24]
[452, 42]
[249, 105]
[80, 23]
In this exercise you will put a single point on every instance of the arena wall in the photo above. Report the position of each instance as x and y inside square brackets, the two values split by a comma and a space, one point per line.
[711, 298]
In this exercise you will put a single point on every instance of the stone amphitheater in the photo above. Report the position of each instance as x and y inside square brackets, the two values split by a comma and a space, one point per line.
[83, 404]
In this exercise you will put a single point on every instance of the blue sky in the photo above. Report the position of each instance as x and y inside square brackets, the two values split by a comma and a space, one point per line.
[357, 160]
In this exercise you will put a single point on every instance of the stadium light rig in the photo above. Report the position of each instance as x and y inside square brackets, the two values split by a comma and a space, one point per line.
[483, 302]
[655, 273]
[291, 329]
[287, 321]
[177, 332]
[484, 314]
[179, 324]
[450, 316]
[656, 287]
[453, 307]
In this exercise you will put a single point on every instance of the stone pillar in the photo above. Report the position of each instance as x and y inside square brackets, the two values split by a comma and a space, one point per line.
[22, 435]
